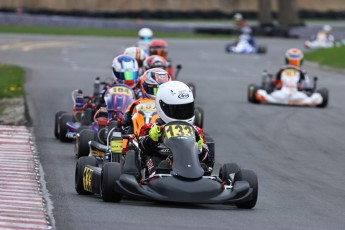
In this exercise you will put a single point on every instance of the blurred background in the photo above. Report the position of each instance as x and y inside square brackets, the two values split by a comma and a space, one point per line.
[269, 17]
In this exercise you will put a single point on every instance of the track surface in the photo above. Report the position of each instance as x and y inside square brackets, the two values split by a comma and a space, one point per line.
[298, 153]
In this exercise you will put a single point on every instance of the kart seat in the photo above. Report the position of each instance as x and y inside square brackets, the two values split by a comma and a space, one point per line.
[163, 167]
[98, 146]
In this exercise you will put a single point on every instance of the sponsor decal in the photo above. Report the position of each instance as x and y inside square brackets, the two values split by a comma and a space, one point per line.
[183, 96]
[87, 178]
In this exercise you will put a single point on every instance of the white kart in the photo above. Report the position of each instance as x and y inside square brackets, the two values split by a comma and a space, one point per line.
[289, 93]
[242, 46]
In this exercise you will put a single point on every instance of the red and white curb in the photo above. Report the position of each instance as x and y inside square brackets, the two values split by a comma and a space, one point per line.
[22, 205]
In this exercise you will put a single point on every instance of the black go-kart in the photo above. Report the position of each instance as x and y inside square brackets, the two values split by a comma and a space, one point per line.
[186, 181]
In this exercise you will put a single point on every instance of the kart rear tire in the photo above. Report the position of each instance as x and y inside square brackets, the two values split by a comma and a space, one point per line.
[82, 142]
[324, 93]
[211, 147]
[79, 171]
[228, 48]
[63, 126]
[228, 168]
[252, 89]
[193, 88]
[199, 117]
[252, 179]
[262, 49]
[56, 123]
[88, 117]
[110, 174]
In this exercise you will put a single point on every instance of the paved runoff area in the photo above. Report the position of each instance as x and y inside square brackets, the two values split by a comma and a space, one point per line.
[22, 205]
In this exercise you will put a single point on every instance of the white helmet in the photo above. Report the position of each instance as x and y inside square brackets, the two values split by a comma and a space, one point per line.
[327, 28]
[136, 53]
[175, 102]
[238, 16]
[145, 34]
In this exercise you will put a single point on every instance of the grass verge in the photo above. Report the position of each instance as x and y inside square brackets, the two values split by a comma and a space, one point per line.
[333, 57]
[11, 82]
[98, 32]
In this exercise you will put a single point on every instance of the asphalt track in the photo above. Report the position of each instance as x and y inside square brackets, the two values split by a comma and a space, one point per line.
[297, 153]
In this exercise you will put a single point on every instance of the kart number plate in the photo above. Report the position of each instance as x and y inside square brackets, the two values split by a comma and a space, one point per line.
[179, 131]
[116, 146]
[290, 73]
[87, 177]
[121, 90]
[146, 106]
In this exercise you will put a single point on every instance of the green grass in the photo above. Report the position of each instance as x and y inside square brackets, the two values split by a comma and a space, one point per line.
[11, 81]
[97, 32]
[334, 57]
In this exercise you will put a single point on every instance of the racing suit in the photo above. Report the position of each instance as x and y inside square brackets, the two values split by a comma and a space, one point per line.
[127, 120]
[304, 81]
[150, 149]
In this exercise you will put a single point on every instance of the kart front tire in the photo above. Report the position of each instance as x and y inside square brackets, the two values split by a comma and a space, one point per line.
[252, 89]
[110, 174]
[252, 179]
[56, 123]
[227, 169]
[79, 171]
[63, 127]
[325, 95]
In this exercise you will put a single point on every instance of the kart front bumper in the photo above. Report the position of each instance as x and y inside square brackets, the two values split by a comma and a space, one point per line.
[176, 189]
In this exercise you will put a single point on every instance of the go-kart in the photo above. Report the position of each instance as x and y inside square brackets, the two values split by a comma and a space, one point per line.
[66, 124]
[242, 46]
[318, 44]
[289, 93]
[117, 99]
[183, 181]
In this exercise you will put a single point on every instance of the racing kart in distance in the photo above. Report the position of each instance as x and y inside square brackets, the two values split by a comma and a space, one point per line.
[66, 124]
[186, 181]
[243, 46]
[289, 93]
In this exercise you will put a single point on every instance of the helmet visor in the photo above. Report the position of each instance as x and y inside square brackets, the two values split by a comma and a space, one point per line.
[161, 51]
[145, 38]
[180, 112]
[151, 89]
[127, 75]
[295, 62]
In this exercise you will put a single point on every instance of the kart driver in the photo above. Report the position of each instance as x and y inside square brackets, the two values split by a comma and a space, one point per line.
[325, 34]
[171, 106]
[139, 55]
[294, 58]
[246, 30]
[160, 47]
[152, 79]
[125, 71]
[145, 38]
[239, 20]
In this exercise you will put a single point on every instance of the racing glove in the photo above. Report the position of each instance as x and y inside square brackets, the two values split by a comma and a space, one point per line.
[200, 143]
[155, 133]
